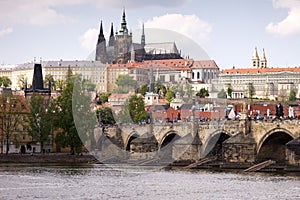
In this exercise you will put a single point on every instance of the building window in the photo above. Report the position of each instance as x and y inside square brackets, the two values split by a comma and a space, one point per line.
[198, 75]
[162, 78]
[172, 78]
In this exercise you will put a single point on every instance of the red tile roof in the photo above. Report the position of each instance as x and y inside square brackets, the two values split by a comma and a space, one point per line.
[258, 71]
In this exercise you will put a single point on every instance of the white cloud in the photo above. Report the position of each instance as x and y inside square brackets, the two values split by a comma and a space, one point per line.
[34, 12]
[290, 25]
[88, 39]
[5, 31]
[45, 12]
[188, 25]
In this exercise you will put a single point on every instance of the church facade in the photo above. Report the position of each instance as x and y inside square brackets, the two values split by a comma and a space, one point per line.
[120, 49]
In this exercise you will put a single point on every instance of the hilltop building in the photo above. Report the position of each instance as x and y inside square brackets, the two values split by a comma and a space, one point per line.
[266, 82]
[120, 48]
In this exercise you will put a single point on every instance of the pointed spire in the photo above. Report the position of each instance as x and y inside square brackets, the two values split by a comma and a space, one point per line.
[264, 55]
[101, 37]
[143, 42]
[112, 30]
[255, 54]
[124, 29]
[111, 41]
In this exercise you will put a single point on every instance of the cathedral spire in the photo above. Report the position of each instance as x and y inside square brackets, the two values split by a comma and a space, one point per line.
[111, 41]
[101, 37]
[124, 29]
[143, 42]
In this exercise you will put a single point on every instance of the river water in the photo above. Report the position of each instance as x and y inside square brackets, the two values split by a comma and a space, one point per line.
[127, 182]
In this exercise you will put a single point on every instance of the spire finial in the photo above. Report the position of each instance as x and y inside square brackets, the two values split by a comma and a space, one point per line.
[101, 29]
[124, 29]
[143, 41]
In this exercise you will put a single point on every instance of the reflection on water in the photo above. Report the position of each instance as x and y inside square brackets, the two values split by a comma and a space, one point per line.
[127, 182]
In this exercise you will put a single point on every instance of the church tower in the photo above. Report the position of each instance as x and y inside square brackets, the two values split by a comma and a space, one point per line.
[255, 59]
[123, 41]
[101, 46]
[263, 60]
[143, 41]
[111, 41]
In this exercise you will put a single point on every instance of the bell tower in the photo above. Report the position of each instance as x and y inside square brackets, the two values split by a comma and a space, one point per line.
[263, 60]
[255, 59]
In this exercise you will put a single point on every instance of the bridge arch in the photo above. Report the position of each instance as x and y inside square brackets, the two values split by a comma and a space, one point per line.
[272, 145]
[168, 137]
[133, 135]
[213, 144]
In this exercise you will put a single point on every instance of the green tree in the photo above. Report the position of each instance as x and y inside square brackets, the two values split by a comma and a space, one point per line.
[12, 111]
[125, 84]
[293, 95]
[229, 92]
[222, 94]
[105, 115]
[5, 81]
[73, 106]
[170, 96]
[251, 91]
[88, 85]
[59, 84]
[202, 93]
[40, 120]
[104, 97]
[49, 79]
[22, 81]
[133, 110]
[160, 89]
[144, 89]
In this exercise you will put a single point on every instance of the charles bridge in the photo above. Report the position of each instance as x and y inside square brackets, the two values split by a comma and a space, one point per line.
[230, 141]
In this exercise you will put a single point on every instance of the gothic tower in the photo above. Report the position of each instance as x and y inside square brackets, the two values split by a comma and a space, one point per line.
[123, 41]
[263, 60]
[255, 59]
[143, 41]
[101, 46]
[111, 41]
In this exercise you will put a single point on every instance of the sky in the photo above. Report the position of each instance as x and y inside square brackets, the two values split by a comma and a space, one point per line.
[226, 31]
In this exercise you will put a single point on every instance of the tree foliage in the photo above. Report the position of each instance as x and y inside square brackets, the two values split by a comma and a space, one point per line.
[40, 120]
[133, 110]
[222, 94]
[22, 81]
[104, 97]
[5, 81]
[202, 93]
[229, 92]
[144, 89]
[49, 79]
[105, 115]
[12, 110]
[293, 95]
[170, 96]
[125, 84]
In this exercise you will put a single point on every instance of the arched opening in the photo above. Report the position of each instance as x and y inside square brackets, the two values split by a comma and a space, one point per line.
[273, 147]
[166, 146]
[132, 137]
[213, 146]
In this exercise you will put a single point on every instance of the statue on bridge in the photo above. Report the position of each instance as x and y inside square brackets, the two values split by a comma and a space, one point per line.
[279, 111]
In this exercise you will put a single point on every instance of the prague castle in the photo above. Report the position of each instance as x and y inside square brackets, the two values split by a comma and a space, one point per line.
[120, 48]
[267, 82]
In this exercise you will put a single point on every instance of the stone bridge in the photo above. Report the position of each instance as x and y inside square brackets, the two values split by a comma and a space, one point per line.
[237, 141]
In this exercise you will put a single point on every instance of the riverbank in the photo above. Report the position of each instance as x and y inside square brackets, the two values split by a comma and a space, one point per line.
[47, 158]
